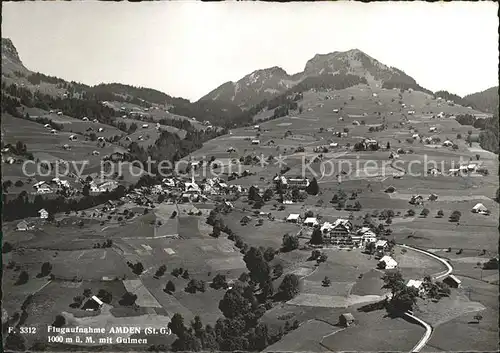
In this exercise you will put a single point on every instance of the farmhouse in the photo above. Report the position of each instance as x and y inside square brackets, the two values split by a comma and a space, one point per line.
[293, 218]
[311, 222]
[452, 281]
[43, 213]
[388, 263]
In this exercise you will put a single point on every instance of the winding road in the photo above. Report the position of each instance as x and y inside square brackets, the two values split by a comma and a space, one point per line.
[428, 328]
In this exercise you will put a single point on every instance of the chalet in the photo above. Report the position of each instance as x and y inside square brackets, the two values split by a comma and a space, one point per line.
[191, 187]
[301, 183]
[387, 263]
[347, 319]
[381, 245]
[447, 143]
[433, 171]
[93, 304]
[311, 222]
[472, 167]
[416, 200]
[326, 227]
[293, 218]
[73, 137]
[432, 129]
[43, 213]
[53, 131]
[85, 118]
[479, 208]
[341, 227]
[59, 113]
[117, 156]
[433, 197]
[452, 281]
[417, 284]
[23, 226]
[368, 236]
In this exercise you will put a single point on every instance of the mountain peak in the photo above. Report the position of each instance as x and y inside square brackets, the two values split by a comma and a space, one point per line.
[9, 50]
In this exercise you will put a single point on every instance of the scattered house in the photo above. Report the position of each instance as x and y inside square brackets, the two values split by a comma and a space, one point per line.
[85, 118]
[93, 304]
[301, 183]
[145, 126]
[452, 281]
[416, 200]
[368, 236]
[73, 137]
[416, 284]
[59, 113]
[100, 139]
[66, 146]
[231, 149]
[101, 129]
[311, 222]
[255, 142]
[479, 208]
[293, 218]
[326, 227]
[334, 144]
[43, 213]
[411, 112]
[433, 171]
[23, 226]
[432, 129]
[415, 136]
[95, 121]
[335, 110]
[381, 245]
[256, 127]
[390, 263]
[447, 143]
[95, 153]
[191, 187]
[346, 319]
[433, 197]
[454, 171]
[53, 131]
[355, 122]
[472, 167]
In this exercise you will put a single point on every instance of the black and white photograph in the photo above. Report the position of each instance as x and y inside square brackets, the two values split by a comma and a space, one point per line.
[250, 176]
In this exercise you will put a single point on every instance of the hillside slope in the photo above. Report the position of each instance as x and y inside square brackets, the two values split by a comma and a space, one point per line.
[486, 101]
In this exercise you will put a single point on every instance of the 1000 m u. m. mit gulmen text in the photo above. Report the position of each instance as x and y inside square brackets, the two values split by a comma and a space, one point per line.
[94, 335]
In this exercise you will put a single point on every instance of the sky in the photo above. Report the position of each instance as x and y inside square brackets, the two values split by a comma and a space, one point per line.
[186, 49]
